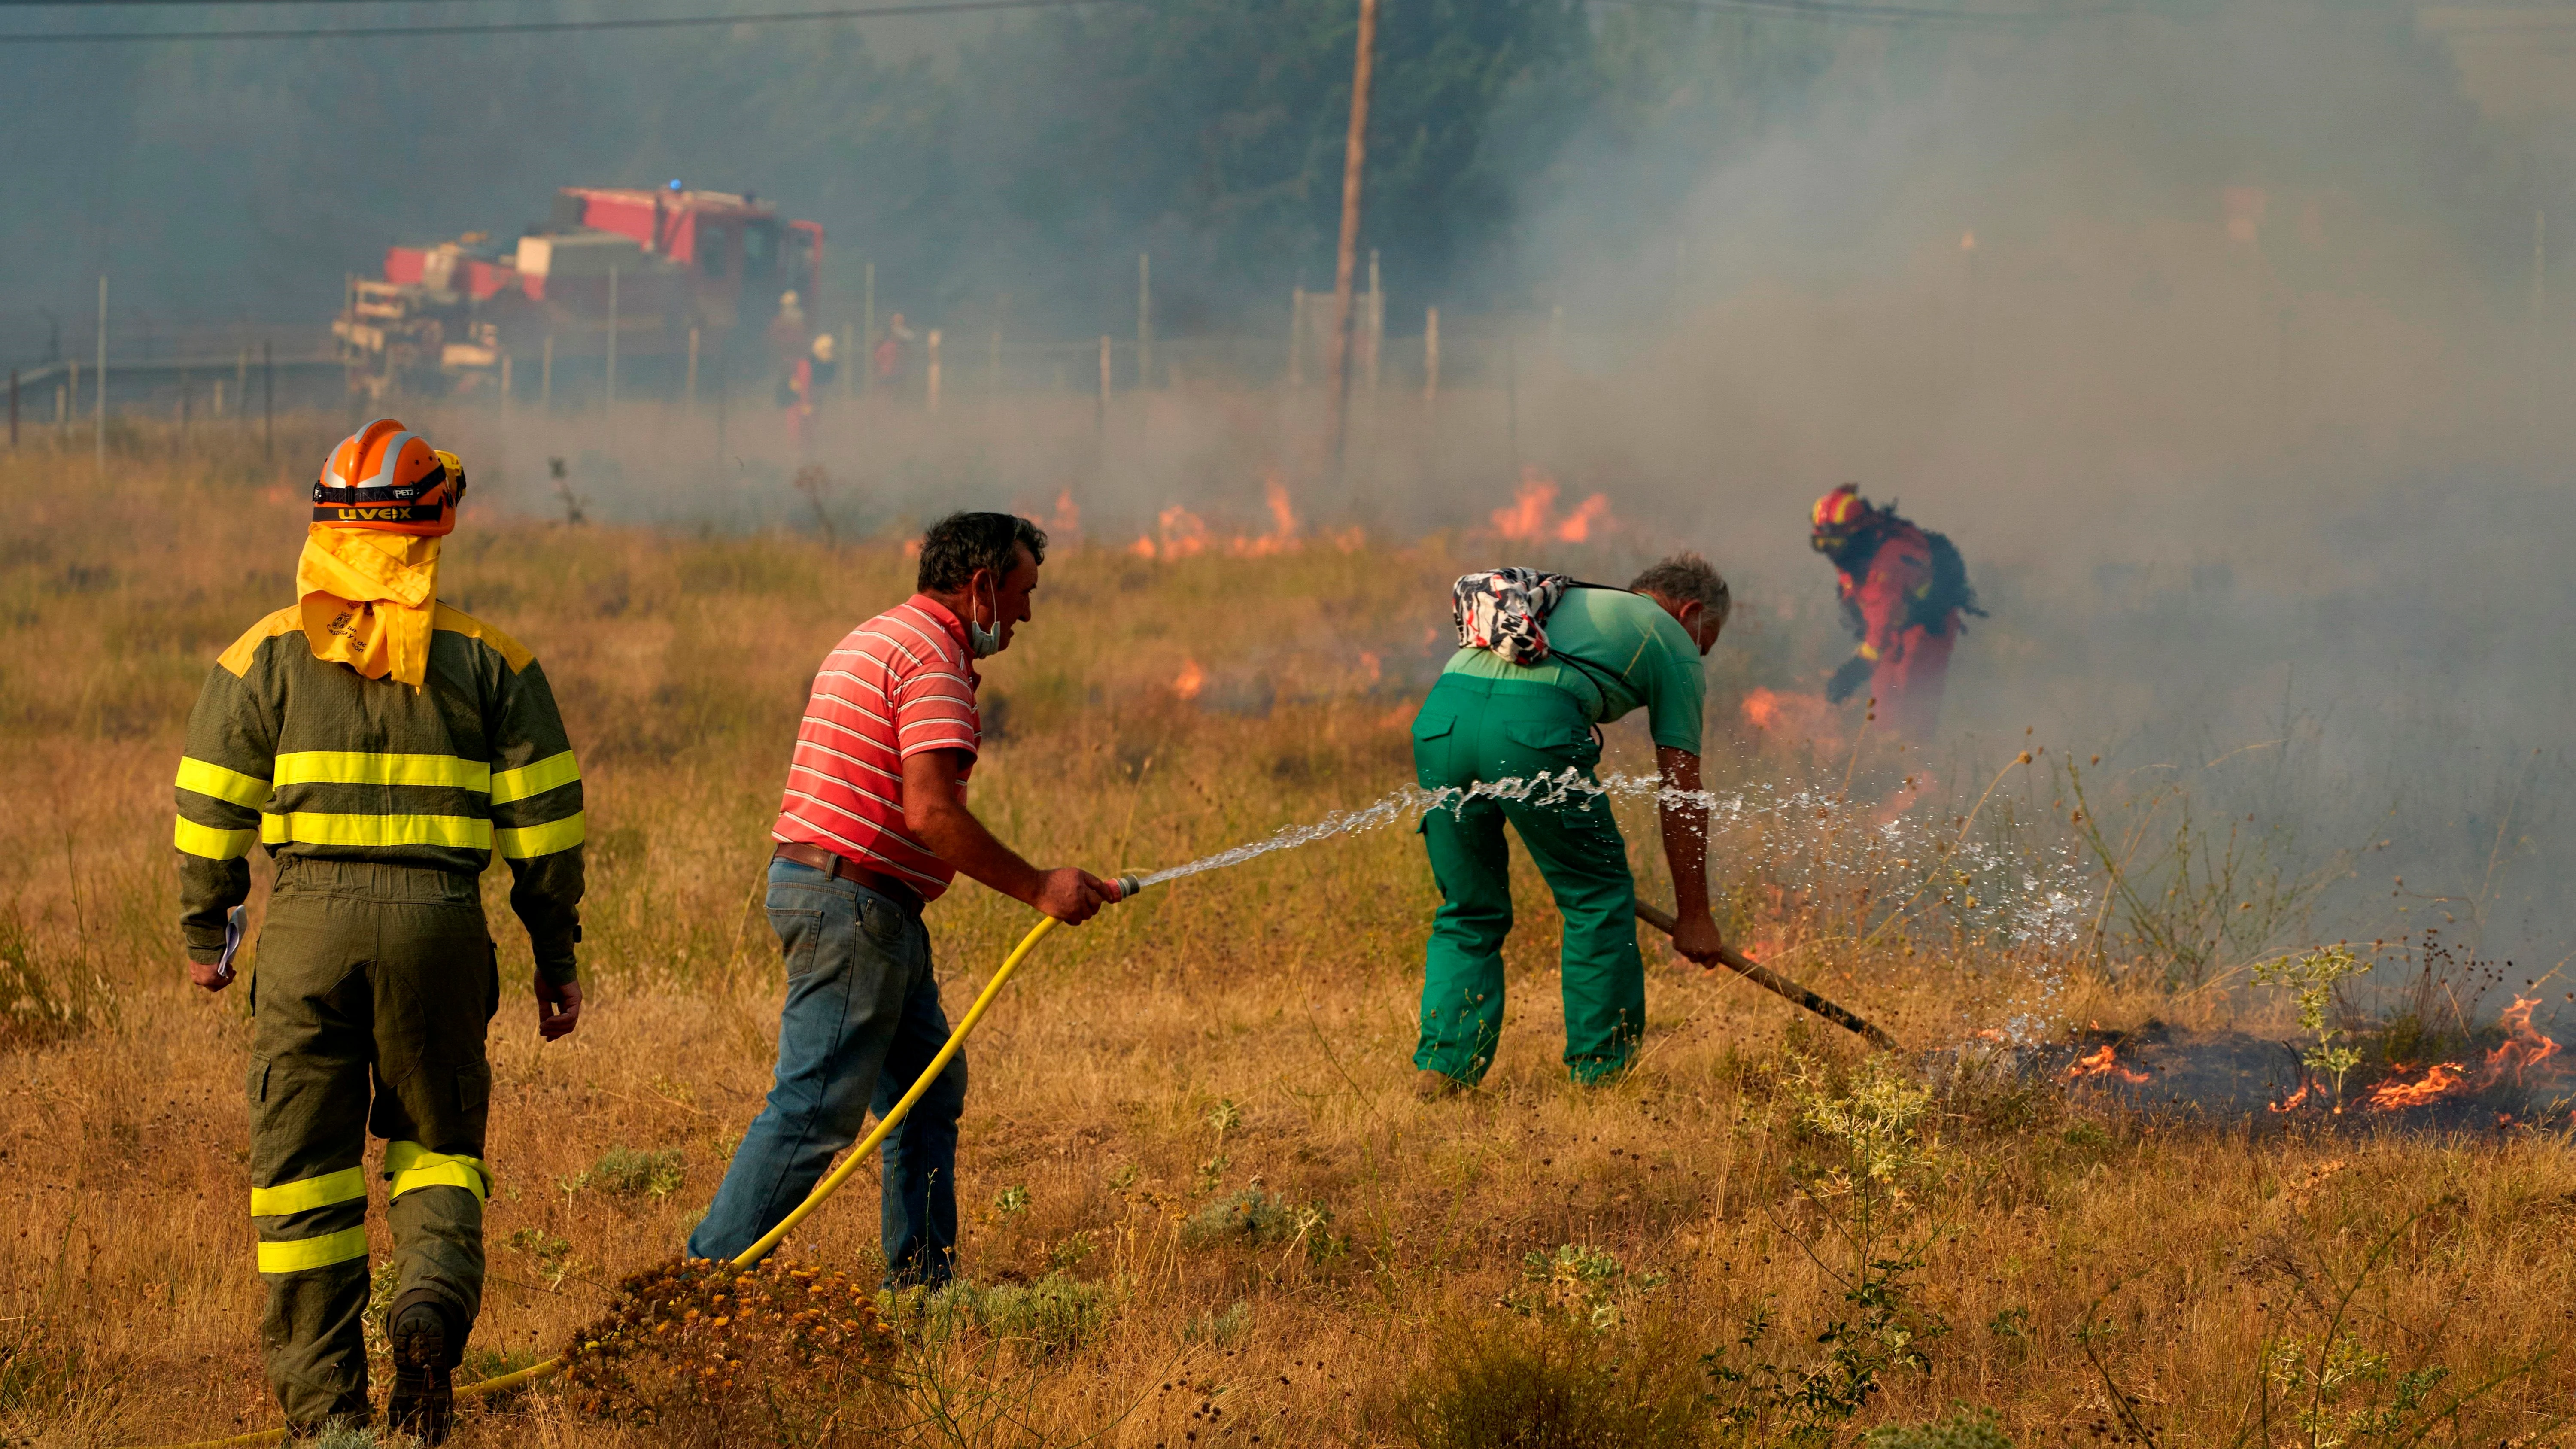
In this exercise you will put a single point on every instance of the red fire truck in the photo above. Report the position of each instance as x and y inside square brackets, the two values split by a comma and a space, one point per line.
[623, 274]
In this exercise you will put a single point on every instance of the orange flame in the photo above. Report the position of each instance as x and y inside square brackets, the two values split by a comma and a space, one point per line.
[2104, 1063]
[2524, 1046]
[2439, 1080]
[1790, 715]
[1283, 519]
[1190, 681]
[1372, 666]
[2295, 1098]
[1067, 521]
[1525, 521]
[1532, 514]
[1184, 535]
[1578, 525]
[1351, 539]
[1282, 537]
[1179, 533]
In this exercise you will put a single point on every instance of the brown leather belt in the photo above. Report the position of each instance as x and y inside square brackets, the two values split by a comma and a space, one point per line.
[841, 867]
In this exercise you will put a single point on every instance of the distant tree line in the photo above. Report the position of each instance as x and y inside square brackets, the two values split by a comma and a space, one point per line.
[1013, 173]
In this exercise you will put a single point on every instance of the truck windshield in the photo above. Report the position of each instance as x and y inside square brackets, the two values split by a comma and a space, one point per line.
[713, 243]
[759, 251]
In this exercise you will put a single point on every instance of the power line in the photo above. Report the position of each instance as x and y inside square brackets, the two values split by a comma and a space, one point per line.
[1848, 11]
[1851, 11]
[533, 27]
[95, 4]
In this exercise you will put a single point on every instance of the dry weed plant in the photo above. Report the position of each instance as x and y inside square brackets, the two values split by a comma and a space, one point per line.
[1200, 1197]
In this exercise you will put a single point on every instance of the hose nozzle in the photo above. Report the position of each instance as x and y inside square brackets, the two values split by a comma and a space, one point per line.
[1125, 888]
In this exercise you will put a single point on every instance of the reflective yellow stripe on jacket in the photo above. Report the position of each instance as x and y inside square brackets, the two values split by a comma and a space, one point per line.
[413, 1167]
[530, 841]
[213, 844]
[354, 767]
[231, 786]
[306, 827]
[535, 778]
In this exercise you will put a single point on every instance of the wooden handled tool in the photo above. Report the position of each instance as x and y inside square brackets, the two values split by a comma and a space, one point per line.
[1778, 985]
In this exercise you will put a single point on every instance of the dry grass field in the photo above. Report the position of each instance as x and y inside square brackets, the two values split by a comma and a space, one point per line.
[1203, 1207]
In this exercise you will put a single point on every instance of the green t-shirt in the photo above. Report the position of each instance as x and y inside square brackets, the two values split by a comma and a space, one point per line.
[1632, 653]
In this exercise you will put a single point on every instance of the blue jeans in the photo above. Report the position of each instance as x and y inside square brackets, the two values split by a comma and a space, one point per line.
[862, 1021]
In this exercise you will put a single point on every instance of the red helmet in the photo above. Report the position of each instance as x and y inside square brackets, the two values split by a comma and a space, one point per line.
[1841, 511]
[387, 478]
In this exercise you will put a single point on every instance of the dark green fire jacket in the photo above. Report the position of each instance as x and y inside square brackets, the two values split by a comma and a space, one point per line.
[312, 759]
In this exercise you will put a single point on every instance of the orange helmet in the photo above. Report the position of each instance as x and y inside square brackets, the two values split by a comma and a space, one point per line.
[387, 478]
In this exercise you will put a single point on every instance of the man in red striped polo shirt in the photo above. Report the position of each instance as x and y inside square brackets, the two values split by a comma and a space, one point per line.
[873, 827]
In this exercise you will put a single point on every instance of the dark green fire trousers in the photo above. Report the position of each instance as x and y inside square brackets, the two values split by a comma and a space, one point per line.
[1473, 730]
[371, 981]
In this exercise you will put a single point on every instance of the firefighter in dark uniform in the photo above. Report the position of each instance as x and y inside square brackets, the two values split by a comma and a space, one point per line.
[1904, 592]
[380, 746]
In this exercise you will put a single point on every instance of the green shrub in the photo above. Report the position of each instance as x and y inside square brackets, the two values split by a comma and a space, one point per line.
[1052, 1314]
[1219, 1328]
[1965, 1428]
[629, 1173]
[1580, 1284]
[1262, 1219]
[1508, 1385]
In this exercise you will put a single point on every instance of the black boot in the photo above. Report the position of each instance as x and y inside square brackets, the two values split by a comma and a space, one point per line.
[426, 1347]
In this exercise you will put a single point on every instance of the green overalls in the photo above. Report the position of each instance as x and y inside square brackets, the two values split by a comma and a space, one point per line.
[374, 979]
[1485, 721]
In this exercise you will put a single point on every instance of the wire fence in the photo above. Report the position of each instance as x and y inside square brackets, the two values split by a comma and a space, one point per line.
[161, 365]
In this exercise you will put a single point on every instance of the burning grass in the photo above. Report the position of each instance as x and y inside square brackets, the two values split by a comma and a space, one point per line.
[1199, 1195]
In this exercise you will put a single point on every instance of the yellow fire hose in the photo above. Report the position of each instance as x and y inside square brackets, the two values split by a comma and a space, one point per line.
[1126, 889]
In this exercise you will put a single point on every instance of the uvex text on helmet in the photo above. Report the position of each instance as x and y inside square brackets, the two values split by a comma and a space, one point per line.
[388, 478]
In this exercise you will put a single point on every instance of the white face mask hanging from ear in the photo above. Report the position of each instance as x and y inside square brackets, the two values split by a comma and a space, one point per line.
[985, 642]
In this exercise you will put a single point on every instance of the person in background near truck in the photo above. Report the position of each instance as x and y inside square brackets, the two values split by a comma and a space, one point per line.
[874, 826]
[787, 332]
[381, 746]
[806, 384]
[890, 349]
[1488, 719]
[1904, 591]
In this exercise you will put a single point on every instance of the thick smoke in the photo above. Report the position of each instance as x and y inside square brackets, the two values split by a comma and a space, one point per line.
[2230, 344]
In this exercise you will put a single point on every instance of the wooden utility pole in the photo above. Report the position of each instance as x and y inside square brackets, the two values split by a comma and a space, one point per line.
[612, 339]
[1431, 356]
[1346, 256]
[1297, 337]
[267, 400]
[1144, 319]
[1373, 322]
[101, 414]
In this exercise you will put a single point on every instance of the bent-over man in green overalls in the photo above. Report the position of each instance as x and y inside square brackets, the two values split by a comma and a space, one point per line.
[1488, 719]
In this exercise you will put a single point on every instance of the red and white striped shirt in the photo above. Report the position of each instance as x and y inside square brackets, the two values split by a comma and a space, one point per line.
[899, 684]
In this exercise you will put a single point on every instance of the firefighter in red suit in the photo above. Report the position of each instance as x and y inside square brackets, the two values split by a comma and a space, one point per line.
[1904, 591]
